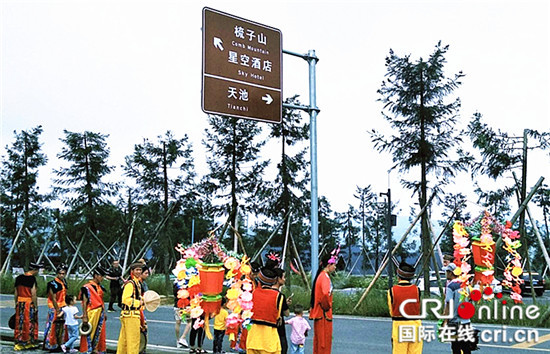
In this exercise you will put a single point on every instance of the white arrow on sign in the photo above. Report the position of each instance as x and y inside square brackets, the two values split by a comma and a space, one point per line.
[218, 43]
[267, 98]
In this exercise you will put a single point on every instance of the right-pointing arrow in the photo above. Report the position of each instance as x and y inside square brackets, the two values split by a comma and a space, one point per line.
[267, 98]
[218, 43]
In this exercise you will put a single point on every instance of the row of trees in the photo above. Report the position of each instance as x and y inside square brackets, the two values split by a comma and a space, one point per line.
[162, 198]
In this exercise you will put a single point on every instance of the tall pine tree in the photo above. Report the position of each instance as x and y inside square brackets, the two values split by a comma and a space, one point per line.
[19, 196]
[417, 103]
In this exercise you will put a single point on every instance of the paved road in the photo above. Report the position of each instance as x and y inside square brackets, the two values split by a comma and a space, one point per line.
[351, 334]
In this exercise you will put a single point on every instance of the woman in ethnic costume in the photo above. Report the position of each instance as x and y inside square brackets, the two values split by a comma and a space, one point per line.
[93, 312]
[263, 337]
[57, 290]
[26, 310]
[321, 304]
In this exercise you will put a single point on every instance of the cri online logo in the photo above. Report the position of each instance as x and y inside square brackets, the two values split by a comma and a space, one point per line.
[467, 310]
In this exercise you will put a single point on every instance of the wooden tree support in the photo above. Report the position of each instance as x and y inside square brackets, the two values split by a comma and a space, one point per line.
[113, 252]
[286, 240]
[95, 265]
[379, 272]
[79, 255]
[239, 237]
[76, 254]
[12, 249]
[300, 264]
[45, 247]
[259, 252]
[128, 243]
[156, 234]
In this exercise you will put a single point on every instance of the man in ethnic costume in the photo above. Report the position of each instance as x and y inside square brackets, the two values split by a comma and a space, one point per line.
[57, 290]
[263, 337]
[130, 316]
[93, 313]
[399, 293]
[26, 310]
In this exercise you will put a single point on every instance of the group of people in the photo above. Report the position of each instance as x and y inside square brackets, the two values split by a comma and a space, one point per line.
[267, 333]
[270, 306]
[62, 328]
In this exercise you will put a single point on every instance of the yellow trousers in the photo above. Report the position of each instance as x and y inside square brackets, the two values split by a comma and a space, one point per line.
[128, 340]
[406, 345]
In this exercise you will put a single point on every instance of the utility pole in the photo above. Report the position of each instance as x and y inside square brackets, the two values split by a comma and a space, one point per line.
[388, 231]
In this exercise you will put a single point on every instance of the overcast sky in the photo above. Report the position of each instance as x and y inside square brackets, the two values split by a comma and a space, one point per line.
[132, 69]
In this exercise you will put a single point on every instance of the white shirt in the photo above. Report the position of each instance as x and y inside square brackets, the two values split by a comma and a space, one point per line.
[70, 311]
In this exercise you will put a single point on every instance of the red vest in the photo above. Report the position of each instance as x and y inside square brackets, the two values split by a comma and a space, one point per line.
[95, 294]
[401, 292]
[59, 296]
[265, 309]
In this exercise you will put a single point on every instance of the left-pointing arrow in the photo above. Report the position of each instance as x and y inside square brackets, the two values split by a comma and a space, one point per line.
[218, 43]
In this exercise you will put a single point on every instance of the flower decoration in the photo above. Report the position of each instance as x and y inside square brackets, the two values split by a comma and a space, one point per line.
[513, 270]
[206, 256]
[483, 249]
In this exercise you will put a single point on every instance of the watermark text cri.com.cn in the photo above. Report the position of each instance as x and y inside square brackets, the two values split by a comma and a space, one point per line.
[466, 333]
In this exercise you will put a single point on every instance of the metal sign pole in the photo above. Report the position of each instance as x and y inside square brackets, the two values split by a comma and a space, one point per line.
[312, 109]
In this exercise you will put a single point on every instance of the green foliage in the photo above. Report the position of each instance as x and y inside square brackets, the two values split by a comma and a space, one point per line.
[231, 144]
[19, 196]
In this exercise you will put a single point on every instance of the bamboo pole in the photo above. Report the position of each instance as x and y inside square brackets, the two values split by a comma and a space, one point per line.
[12, 249]
[129, 242]
[379, 272]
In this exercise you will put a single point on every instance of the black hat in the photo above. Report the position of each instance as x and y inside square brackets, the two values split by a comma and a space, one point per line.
[99, 270]
[255, 267]
[36, 265]
[62, 267]
[405, 271]
[267, 276]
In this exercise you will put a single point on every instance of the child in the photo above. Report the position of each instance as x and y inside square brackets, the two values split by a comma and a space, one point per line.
[70, 312]
[219, 327]
[300, 326]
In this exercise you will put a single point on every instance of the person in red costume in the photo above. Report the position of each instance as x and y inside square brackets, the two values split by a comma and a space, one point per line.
[55, 325]
[321, 304]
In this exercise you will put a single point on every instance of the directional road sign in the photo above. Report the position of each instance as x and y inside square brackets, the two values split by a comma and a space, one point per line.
[241, 67]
